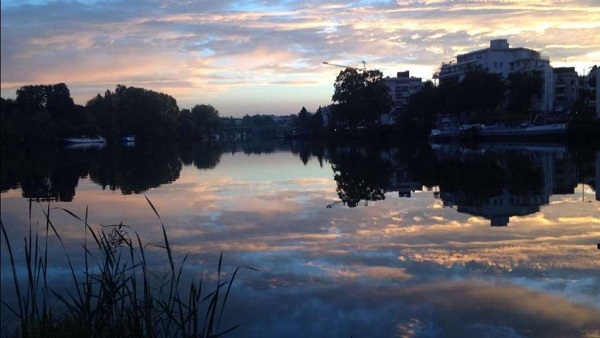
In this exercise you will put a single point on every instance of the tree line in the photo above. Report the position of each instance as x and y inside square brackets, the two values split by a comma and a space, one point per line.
[361, 98]
[47, 113]
[481, 97]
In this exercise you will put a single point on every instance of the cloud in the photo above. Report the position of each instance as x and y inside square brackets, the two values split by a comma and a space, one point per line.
[368, 271]
[462, 305]
[183, 48]
[462, 309]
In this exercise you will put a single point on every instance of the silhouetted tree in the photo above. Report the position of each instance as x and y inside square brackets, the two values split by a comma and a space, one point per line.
[202, 120]
[451, 97]
[481, 91]
[303, 120]
[258, 120]
[360, 97]
[42, 113]
[316, 122]
[522, 87]
[136, 111]
[423, 108]
[206, 118]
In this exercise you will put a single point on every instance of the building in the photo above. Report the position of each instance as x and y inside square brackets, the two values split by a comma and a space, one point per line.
[566, 88]
[597, 73]
[588, 84]
[499, 58]
[401, 88]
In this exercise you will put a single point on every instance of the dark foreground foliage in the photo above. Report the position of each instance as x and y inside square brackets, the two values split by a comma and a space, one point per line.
[117, 294]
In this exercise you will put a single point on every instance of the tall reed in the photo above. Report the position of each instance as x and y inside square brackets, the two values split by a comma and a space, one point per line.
[115, 293]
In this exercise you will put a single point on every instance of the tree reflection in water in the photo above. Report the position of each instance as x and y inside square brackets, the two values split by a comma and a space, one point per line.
[49, 173]
[494, 182]
[360, 174]
[134, 170]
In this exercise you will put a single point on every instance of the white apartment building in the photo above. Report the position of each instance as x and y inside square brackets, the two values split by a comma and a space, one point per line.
[401, 88]
[499, 58]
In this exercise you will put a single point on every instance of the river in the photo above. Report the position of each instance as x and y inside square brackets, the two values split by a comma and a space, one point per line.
[347, 240]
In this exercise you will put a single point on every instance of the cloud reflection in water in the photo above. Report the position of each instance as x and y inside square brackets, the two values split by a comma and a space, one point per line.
[399, 266]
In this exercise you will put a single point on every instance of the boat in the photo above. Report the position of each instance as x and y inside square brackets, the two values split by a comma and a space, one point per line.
[127, 139]
[526, 130]
[501, 132]
[85, 140]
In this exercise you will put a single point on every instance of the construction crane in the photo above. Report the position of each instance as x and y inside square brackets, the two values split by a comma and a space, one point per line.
[364, 63]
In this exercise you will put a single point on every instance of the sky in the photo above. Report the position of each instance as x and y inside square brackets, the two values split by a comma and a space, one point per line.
[266, 57]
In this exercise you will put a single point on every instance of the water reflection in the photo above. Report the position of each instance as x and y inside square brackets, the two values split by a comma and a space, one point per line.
[498, 184]
[201, 155]
[495, 182]
[134, 170]
[43, 173]
[404, 265]
[360, 174]
[52, 174]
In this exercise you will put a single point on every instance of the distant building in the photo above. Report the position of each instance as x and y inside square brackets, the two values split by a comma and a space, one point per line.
[401, 88]
[281, 119]
[589, 85]
[566, 88]
[499, 58]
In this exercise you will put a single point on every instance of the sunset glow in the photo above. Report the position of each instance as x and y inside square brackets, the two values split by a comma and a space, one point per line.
[266, 57]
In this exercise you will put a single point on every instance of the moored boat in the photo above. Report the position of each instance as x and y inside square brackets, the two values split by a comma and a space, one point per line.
[501, 132]
[85, 139]
[127, 139]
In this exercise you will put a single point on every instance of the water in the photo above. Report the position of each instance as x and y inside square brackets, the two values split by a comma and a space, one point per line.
[349, 240]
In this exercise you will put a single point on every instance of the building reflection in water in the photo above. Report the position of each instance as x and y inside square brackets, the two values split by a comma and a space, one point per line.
[528, 175]
[493, 181]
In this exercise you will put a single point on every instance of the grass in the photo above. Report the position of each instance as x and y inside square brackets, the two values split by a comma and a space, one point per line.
[115, 293]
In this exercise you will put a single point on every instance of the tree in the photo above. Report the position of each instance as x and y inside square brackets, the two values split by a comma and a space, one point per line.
[32, 98]
[56, 99]
[59, 102]
[257, 120]
[522, 87]
[423, 107]
[481, 91]
[135, 111]
[303, 118]
[44, 113]
[360, 97]
[450, 96]
[316, 121]
[205, 119]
